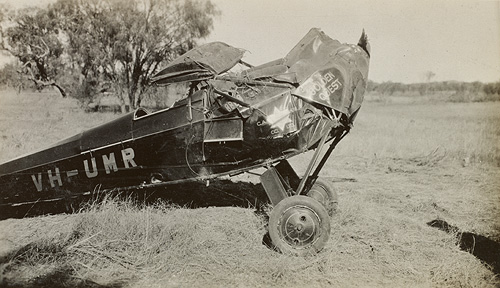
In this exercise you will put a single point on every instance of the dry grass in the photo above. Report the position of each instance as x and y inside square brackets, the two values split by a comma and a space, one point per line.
[398, 181]
[32, 121]
[458, 130]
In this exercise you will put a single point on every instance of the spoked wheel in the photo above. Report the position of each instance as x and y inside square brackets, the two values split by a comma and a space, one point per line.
[325, 194]
[299, 225]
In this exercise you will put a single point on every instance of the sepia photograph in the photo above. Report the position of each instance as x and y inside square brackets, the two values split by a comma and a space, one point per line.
[230, 143]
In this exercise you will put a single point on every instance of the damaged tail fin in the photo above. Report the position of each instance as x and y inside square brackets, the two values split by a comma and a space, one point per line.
[363, 42]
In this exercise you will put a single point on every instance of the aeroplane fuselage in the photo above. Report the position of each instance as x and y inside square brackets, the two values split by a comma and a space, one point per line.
[228, 123]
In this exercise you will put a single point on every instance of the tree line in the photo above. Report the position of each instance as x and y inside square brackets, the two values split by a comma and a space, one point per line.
[457, 87]
[83, 47]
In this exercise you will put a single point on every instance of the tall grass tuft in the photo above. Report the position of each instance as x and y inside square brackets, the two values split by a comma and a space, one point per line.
[116, 237]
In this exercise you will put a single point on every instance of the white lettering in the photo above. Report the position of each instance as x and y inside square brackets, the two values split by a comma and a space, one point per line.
[72, 173]
[94, 168]
[53, 178]
[323, 96]
[109, 163]
[328, 77]
[316, 87]
[128, 157]
[334, 86]
[322, 87]
[38, 184]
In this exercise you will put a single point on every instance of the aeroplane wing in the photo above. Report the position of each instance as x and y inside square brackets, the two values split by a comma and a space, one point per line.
[201, 63]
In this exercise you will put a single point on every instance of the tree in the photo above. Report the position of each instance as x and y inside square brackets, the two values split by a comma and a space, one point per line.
[112, 42]
[4, 16]
[429, 75]
[10, 78]
[124, 42]
[35, 41]
[492, 88]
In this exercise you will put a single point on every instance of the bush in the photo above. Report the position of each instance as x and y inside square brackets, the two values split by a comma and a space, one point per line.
[466, 97]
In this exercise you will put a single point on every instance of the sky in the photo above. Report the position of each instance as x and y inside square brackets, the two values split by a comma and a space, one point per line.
[456, 39]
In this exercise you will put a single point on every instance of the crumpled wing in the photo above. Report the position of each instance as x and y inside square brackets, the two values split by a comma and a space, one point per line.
[201, 63]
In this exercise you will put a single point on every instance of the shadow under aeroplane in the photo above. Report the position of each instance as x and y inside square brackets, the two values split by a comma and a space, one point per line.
[220, 193]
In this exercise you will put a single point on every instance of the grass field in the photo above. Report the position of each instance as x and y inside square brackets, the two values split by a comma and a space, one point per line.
[402, 166]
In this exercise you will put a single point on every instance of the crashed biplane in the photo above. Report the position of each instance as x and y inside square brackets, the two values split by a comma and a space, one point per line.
[228, 123]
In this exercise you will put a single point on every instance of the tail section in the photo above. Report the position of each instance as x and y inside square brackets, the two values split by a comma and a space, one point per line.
[363, 42]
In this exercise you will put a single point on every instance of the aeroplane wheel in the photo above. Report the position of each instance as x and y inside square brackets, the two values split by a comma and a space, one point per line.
[325, 194]
[299, 225]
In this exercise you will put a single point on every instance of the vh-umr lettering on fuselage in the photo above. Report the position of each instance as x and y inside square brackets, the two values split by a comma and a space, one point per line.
[233, 118]
[91, 168]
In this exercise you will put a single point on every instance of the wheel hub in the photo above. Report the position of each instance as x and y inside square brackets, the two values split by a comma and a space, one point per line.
[299, 226]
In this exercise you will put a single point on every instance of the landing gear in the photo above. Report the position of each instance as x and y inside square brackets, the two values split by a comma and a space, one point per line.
[299, 225]
[325, 194]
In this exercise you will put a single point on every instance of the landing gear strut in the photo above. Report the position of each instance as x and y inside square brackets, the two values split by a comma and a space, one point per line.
[300, 224]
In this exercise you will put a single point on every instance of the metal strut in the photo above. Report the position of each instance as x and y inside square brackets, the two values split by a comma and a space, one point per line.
[308, 180]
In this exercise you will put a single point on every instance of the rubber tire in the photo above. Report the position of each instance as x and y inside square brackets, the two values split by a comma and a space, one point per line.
[325, 194]
[301, 203]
